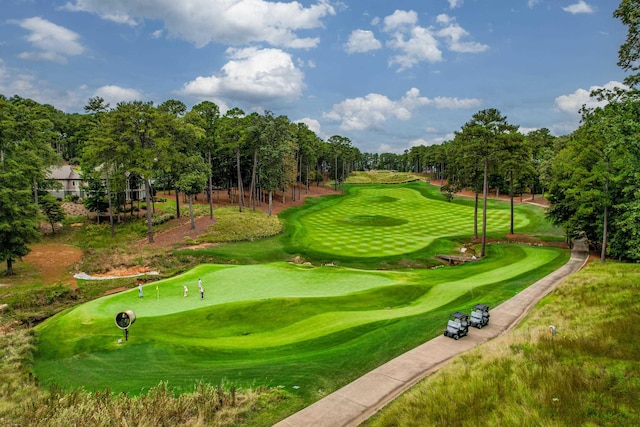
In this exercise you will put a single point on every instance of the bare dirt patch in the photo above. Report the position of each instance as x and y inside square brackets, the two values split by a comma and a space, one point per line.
[54, 262]
[124, 272]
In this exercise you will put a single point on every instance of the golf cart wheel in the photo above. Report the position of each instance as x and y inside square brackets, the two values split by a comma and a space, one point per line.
[455, 337]
[479, 326]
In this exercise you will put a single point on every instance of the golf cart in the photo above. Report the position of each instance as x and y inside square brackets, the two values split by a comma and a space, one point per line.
[458, 325]
[479, 316]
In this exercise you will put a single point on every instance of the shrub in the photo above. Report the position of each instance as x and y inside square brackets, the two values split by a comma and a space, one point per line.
[162, 219]
[74, 198]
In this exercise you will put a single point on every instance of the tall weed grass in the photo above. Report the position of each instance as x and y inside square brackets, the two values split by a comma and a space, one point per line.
[233, 226]
[587, 374]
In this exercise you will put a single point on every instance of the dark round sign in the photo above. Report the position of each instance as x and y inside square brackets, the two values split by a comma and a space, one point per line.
[124, 319]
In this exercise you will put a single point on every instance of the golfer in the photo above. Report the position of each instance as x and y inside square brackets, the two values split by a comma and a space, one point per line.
[186, 290]
[201, 288]
[139, 290]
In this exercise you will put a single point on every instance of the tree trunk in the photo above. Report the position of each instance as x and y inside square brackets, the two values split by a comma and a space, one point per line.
[475, 217]
[603, 253]
[270, 202]
[240, 189]
[193, 221]
[35, 191]
[485, 191]
[210, 186]
[252, 187]
[10, 267]
[177, 203]
[533, 192]
[335, 183]
[147, 199]
[511, 197]
[113, 230]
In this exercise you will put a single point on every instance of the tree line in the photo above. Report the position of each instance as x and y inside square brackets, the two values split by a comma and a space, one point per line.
[591, 176]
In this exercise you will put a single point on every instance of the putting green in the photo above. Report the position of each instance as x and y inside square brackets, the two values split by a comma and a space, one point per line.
[388, 221]
[254, 313]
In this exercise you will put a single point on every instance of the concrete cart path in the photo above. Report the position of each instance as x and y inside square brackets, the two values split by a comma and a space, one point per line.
[359, 400]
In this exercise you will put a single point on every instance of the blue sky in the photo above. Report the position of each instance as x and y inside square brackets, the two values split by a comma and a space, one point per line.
[386, 74]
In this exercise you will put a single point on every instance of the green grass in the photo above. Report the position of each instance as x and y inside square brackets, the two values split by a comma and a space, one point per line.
[387, 221]
[587, 374]
[308, 329]
[256, 315]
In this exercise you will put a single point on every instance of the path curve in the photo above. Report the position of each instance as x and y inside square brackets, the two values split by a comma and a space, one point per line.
[359, 400]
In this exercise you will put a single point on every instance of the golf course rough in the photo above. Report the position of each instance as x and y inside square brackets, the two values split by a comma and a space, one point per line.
[388, 221]
[268, 310]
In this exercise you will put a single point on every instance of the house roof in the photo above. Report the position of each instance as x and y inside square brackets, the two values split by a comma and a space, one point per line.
[64, 172]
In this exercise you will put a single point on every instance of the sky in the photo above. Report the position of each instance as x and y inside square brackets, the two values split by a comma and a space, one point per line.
[388, 75]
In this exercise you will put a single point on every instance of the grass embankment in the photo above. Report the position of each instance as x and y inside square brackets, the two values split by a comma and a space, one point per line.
[381, 177]
[587, 374]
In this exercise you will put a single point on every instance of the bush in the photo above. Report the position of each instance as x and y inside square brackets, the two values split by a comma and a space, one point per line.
[162, 219]
[74, 198]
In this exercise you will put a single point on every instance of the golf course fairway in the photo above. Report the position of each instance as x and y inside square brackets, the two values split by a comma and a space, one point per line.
[272, 324]
[376, 221]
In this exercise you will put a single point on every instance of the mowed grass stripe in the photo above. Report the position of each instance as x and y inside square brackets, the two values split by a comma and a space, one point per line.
[413, 218]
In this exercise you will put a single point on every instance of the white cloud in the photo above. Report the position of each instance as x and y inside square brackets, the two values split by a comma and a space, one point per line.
[573, 102]
[26, 85]
[115, 94]
[362, 41]
[431, 141]
[253, 75]
[399, 19]
[532, 3]
[156, 34]
[454, 33]
[372, 111]
[312, 124]
[228, 22]
[416, 44]
[525, 130]
[50, 41]
[580, 7]
[455, 3]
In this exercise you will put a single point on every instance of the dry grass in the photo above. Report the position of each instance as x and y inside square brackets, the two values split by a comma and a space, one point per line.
[232, 226]
[586, 374]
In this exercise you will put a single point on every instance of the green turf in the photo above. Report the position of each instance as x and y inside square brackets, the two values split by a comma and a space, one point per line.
[255, 313]
[310, 329]
[387, 221]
